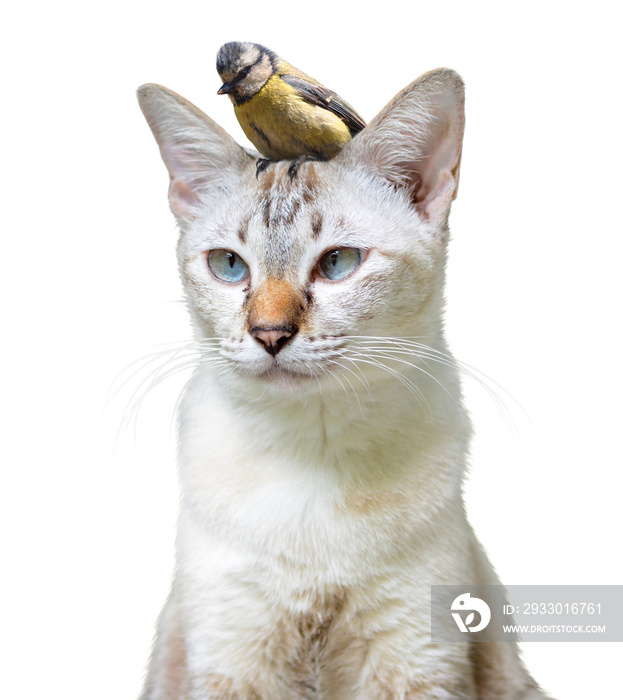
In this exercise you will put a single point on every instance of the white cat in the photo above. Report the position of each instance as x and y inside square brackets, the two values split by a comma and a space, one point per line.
[322, 437]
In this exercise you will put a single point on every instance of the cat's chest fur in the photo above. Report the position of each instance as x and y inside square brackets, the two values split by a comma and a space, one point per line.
[323, 487]
[307, 518]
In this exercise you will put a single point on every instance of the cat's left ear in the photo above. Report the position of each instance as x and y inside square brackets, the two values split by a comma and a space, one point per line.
[198, 153]
[415, 142]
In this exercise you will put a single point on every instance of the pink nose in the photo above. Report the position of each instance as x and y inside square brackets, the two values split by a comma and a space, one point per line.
[273, 339]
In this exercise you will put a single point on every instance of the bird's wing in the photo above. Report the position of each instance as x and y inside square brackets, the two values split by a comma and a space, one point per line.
[323, 97]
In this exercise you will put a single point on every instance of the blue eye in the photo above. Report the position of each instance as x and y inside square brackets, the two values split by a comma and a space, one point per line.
[227, 266]
[340, 263]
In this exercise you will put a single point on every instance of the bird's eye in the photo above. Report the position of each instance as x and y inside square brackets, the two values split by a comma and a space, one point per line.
[227, 266]
[243, 73]
[340, 263]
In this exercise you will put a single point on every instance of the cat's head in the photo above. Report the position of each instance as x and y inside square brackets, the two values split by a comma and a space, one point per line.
[333, 272]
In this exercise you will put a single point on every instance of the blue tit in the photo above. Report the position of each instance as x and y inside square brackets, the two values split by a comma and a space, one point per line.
[283, 112]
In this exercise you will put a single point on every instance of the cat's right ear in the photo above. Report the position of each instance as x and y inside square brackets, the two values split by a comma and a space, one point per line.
[415, 143]
[198, 153]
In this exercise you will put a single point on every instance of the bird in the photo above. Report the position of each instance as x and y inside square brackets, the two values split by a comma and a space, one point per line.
[283, 112]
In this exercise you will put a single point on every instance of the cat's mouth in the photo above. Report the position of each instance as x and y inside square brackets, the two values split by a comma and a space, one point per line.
[278, 372]
[284, 379]
[287, 369]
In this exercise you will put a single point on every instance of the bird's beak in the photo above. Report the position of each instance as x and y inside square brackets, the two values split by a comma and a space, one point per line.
[225, 89]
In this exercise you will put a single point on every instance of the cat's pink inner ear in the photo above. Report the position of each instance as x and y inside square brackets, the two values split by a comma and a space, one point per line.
[436, 191]
[182, 198]
[435, 175]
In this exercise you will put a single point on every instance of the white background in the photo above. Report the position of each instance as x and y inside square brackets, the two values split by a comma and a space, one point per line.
[89, 285]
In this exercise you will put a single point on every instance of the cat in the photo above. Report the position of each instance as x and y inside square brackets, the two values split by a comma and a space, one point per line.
[322, 437]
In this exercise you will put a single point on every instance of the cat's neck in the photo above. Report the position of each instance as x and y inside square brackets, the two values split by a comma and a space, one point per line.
[299, 469]
[323, 424]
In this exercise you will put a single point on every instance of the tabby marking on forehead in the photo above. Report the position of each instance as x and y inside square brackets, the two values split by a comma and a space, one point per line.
[243, 230]
[266, 180]
[280, 209]
[281, 197]
[311, 179]
[316, 224]
[280, 203]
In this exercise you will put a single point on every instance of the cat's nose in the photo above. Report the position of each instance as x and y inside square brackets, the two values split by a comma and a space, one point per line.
[274, 339]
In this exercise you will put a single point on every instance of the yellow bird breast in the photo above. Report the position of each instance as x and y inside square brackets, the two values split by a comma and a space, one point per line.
[282, 125]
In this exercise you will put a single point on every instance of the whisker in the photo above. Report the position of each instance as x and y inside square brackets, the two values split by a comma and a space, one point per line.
[144, 362]
[338, 380]
[335, 362]
[361, 377]
[387, 355]
[148, 385]
[397, 375]
[410, 345]
[159, 366]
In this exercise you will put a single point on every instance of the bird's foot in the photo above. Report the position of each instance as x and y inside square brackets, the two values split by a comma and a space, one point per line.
[296, 164]
[262, 164]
